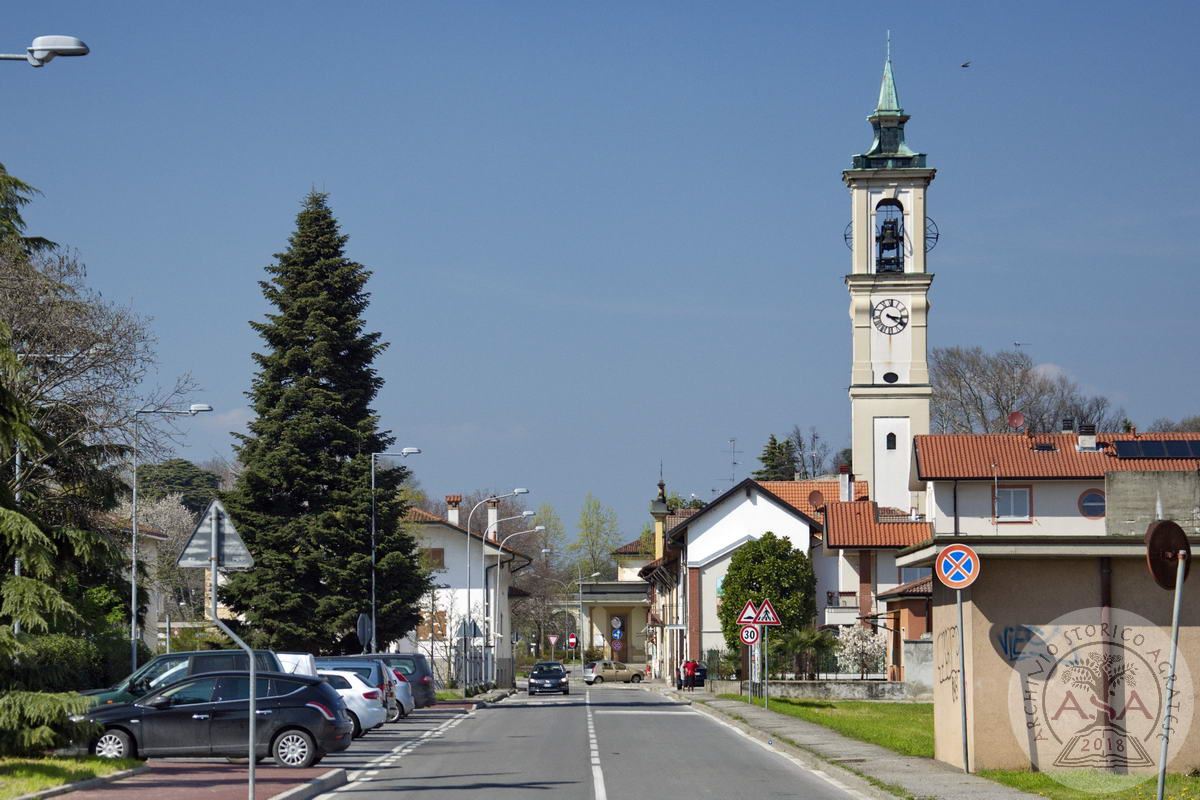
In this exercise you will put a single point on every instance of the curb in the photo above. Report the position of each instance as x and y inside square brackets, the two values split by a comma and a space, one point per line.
[330, 780]
[855, 782]
[90, 783]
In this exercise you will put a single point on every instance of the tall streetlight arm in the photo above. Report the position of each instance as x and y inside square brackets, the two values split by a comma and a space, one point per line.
[46, 48]
[467, 617]
[491, 617]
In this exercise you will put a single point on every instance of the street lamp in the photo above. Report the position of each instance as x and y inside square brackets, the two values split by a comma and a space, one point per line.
[405, 453]
[493, 528]
[467, 620]
[191, 411]
[45, 48]
[492, 610]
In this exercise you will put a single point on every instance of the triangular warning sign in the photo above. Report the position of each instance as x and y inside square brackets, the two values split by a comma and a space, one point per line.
[749, 612]
[766, 615]
[231, 550]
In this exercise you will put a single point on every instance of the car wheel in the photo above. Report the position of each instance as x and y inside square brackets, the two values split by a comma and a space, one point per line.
[636, 678]
[566, 691]
[114, 743]
[393, 714]
[597, 679]
[358, 729]
[295, 749]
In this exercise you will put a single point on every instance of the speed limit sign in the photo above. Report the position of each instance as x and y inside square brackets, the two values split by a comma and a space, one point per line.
[749, 634]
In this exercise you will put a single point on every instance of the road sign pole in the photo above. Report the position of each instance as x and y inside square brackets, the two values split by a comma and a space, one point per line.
[1180, 567]
[766, 664]
[962, 678]
[213, 562]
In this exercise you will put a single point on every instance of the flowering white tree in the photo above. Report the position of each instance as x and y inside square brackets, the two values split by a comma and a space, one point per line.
[861, 649]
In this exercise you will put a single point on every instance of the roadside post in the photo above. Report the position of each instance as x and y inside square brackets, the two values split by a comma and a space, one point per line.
[767, 618]
[957, 567]
[216, 544]
[746, 618]
[1168, 557]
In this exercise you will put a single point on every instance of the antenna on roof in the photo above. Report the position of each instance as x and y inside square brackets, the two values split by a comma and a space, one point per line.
[733, 462]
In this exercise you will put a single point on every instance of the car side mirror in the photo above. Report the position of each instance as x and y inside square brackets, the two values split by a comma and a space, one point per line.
[159, 702]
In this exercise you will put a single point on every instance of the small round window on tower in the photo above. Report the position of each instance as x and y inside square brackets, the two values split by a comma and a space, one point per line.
[890, 377]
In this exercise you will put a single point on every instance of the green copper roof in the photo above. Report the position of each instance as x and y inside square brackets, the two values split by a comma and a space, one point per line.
[889, 98]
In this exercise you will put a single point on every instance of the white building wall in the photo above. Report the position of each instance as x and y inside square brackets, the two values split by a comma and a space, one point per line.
[737, 520]
[1054, 509]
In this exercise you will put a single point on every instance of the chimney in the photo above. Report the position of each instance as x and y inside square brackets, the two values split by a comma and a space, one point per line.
[1087, 436]
[493, 509]
[1068, 425]
[453, 501]
[845, 481]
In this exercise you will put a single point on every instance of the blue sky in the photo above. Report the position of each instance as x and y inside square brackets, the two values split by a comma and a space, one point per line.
[609, 234]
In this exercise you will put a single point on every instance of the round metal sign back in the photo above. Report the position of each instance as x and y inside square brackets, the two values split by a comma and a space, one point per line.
[1165, 543]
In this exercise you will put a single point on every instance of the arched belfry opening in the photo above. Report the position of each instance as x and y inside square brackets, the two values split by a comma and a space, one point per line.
[889, 236]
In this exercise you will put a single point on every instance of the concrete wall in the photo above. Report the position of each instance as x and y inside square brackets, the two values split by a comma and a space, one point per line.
[1033, 623]
[918, 668]
[893, 691]
[1133, 501]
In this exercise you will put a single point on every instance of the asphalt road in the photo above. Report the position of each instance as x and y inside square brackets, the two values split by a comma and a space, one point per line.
[606, 742]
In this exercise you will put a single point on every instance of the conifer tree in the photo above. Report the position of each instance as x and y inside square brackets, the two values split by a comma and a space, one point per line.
[778, 460]
[302, 501]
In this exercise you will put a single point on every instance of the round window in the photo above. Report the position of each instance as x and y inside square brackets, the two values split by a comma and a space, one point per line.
[890, 377]
[1091, 504]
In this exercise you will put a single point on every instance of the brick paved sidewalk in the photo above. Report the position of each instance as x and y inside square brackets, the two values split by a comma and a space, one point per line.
[202, 780]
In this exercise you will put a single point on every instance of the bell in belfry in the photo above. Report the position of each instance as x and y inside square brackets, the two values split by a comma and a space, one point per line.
[889, 240]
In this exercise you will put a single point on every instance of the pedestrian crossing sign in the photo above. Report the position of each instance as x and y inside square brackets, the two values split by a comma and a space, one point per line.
[766, 615]
[748, 615]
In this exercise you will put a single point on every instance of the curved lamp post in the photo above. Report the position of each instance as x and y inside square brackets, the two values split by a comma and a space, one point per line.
[467, 619]
[191, 411]
[405, 453]
[499, 553]
[494, 530]
[46, 48]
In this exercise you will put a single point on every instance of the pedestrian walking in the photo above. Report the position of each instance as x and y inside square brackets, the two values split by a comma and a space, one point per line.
[689, 674]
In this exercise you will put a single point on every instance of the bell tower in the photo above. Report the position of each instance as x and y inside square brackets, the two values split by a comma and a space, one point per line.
[889, 236]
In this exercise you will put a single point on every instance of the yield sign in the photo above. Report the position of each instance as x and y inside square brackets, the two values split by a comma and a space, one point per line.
[749, 613]
[766, 615]
[553, 639]
[231, 550]
[957, 566]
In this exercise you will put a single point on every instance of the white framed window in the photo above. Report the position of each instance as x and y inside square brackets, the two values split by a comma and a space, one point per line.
[1013, 504]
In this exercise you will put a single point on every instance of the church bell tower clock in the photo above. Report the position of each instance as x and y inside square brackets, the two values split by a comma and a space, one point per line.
[889, 236]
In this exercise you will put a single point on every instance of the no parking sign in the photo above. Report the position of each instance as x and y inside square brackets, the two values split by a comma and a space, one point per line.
[957, 566]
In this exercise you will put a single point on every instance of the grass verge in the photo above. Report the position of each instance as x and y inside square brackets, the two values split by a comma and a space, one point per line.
[906, 728]
[1094, 785]
[20, 776]
[449, 695]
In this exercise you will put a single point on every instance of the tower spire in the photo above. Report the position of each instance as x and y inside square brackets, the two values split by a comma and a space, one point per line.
[889, 98]
[888, 151]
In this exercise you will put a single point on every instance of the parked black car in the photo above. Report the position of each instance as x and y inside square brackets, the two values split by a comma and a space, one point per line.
[300, 720]
[162, 671]
[415, 667]
[549, 678]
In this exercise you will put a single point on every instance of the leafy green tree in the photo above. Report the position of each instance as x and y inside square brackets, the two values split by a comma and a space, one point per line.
[302, 501]
[778, 459]
[768, 568]
[598, 536]
[675, 502]
[196, 487]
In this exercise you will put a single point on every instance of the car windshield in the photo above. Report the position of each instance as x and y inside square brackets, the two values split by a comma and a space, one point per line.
[547, 671]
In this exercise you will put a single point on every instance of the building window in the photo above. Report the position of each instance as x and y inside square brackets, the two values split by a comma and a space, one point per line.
[434, 558]
[891, 441]
[910, 574]
[1013, 504]
[1091, 504]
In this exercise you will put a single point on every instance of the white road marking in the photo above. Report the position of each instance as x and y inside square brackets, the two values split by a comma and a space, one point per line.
[680, 712]
[598, 790]
[391, 758]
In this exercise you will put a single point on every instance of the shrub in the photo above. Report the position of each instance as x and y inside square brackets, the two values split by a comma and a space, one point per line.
[34, 722]
[53, 662]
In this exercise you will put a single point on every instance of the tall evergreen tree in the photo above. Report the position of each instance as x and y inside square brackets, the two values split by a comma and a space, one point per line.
[778, 459]
[302, 501]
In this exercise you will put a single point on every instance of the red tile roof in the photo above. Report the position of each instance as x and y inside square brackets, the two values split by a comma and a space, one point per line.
[634, 548]
[808, 496]
[679, 515]
[972, 456]
[857, 524]
[921, 587]
[423, 517]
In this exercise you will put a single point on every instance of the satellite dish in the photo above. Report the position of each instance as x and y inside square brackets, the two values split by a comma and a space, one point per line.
[1166, 543]
[1016, 419]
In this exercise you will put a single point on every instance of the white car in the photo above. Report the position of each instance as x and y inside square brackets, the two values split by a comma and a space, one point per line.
[404, 694]
[363, 701]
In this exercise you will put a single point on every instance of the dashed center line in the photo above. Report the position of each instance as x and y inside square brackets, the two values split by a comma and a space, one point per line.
[598, 789]
[390, 759]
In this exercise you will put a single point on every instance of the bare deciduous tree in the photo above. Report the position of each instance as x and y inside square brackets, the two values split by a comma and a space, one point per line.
[974, 392]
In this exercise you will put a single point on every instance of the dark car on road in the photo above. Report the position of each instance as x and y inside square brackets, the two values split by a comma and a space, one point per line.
[164, 670]
[299, 720]
[415, 667]
[549, 678]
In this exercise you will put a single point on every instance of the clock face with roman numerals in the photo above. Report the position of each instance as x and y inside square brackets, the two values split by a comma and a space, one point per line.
[890, 316]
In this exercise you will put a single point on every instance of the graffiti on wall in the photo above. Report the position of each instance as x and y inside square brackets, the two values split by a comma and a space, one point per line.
[946, 660]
